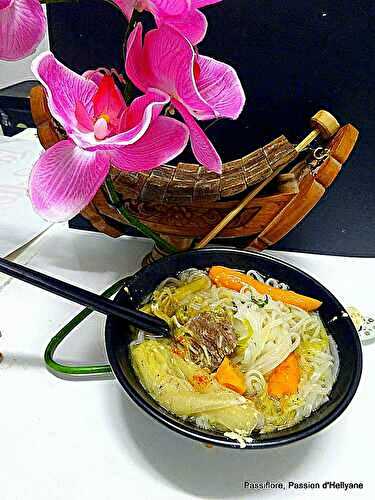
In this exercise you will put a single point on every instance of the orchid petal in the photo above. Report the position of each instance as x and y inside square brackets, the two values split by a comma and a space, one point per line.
[219, 85]
[84, 120]
[169, 7]
[65, 179]
[94, 75]
[108, 100]
[192, 24]
[197, 4]
[183, 15]
[134, 65]
[22, 27]
[141, 113]
[5, 3]
[165, 139]
[126, 6]
[166, 62]
[169, 59]
[137, 109]
[97, 76]
[64, 90]
[202, 147]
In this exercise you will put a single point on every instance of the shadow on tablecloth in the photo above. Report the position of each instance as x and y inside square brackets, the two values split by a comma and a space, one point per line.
[197, 470]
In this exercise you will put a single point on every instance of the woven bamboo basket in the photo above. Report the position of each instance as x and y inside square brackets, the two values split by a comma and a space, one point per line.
[184, 203]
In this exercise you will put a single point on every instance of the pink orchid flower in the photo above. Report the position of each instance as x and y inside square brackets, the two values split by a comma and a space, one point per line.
[199, 87]
[22, 27]
[183, 15]
[102, 131]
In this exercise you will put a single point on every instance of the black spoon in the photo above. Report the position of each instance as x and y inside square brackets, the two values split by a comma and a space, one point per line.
[150, 324]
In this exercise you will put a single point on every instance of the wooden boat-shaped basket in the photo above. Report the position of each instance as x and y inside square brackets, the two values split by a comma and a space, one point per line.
[185, 202]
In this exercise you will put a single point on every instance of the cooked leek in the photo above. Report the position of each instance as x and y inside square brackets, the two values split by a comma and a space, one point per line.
[169, 380]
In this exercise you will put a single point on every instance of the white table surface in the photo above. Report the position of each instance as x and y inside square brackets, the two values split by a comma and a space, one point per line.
[19, 224]
[81, 440]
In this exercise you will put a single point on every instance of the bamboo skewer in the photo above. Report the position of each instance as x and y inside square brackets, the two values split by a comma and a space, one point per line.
[324, 124]
[307, 140]
[228, 218]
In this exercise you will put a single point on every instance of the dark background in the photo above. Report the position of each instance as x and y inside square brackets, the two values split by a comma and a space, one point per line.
[294, 58]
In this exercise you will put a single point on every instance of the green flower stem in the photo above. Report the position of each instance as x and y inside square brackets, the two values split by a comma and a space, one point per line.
[116, 202]
[132, 22]
[129, 87]
[64, 332]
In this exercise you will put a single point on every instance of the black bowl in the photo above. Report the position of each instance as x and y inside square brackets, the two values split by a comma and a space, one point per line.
[333, 314]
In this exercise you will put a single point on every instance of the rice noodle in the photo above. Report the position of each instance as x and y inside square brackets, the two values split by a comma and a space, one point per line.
[188, 275]
[267, 332]
[273, 336]
[255, 383]
[269, 281]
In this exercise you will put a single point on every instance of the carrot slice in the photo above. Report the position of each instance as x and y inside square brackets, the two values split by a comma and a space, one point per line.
[235, 280]
[284, 379]
[229, 376]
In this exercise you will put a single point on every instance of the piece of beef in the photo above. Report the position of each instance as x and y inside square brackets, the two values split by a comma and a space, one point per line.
[211, 338]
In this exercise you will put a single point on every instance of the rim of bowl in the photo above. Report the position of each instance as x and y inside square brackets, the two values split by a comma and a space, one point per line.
[199, 435]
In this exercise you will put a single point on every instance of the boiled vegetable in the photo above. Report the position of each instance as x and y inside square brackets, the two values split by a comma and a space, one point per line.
[172, 382]
[235, 280]
[193, 287]
[284, 379]
[231, 377]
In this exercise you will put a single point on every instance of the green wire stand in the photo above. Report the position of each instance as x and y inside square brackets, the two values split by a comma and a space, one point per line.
[58, 368]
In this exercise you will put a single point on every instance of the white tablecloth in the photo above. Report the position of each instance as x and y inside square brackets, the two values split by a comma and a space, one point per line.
[86, 440]
[19, 224]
